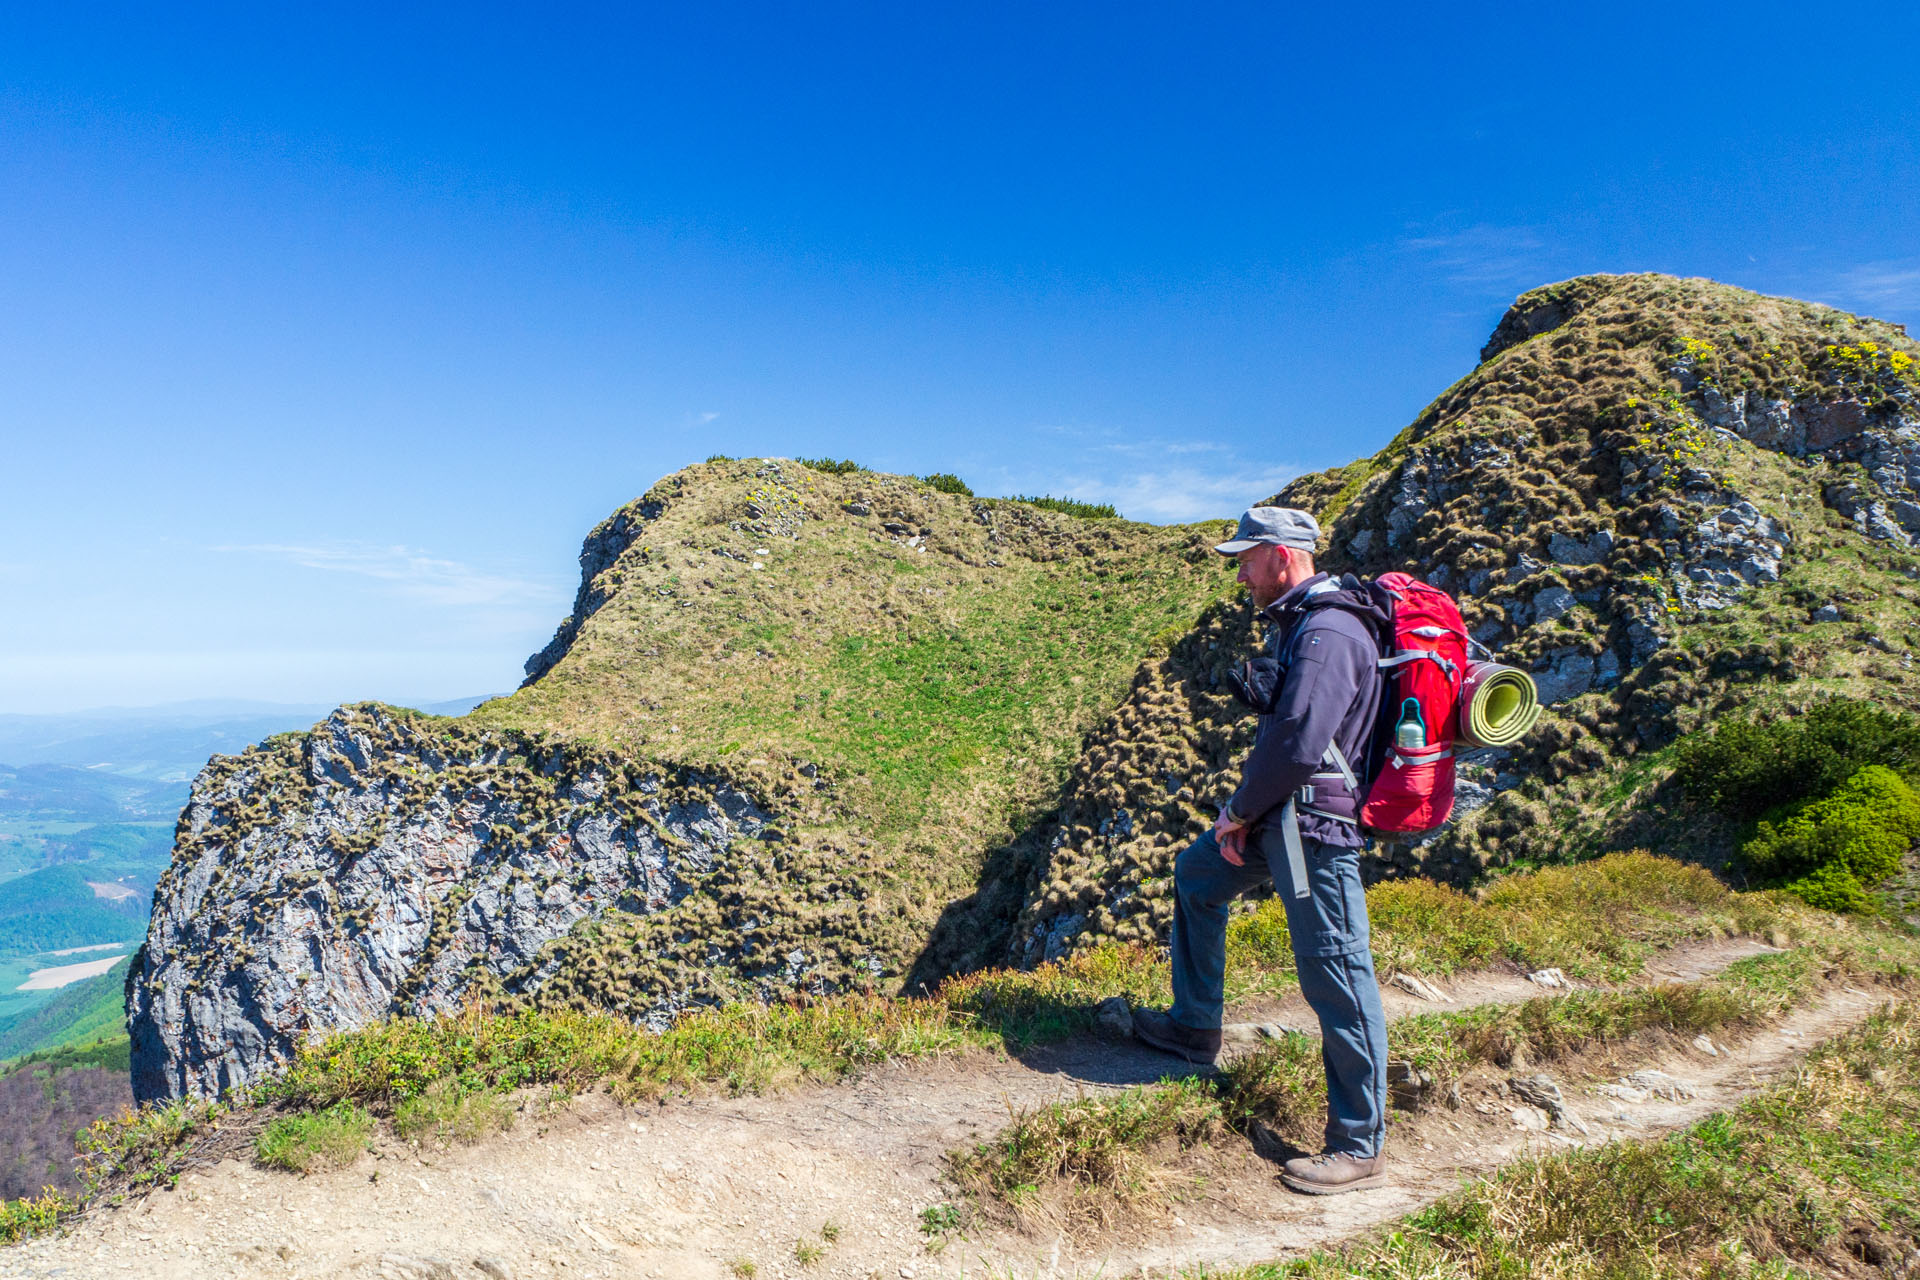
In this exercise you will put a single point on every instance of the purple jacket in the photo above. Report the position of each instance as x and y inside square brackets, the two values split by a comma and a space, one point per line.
[1329, 691]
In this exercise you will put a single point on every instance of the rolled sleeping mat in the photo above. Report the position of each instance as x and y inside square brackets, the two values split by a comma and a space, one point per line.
[1499, 705]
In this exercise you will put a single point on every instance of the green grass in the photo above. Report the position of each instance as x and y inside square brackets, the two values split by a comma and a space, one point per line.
[1598, 919]
[445, 1114]
[331, 1137]
[1820, 1174]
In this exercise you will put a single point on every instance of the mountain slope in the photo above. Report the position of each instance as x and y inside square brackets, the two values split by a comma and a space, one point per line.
[1669, 499]
[789, 715]
[806, 731]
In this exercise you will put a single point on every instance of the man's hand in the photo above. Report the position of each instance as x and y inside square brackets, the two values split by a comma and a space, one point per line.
[1232, 837]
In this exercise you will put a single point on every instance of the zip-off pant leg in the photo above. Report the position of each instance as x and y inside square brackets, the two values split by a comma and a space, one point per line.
[1204, 883]
[1332, 956]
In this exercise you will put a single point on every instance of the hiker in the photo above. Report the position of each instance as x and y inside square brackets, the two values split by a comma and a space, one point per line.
[1324, 638]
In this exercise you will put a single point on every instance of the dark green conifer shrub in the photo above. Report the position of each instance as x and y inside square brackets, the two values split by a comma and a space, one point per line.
[1067, 506]
[1743, 768]
[833, 466]
[947, 482]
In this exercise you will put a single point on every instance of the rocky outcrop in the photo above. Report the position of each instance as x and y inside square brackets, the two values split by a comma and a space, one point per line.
[386, 865]
[599, 554]
[1607, 496]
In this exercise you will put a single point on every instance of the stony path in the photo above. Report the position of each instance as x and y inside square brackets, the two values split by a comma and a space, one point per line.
[696, 1188]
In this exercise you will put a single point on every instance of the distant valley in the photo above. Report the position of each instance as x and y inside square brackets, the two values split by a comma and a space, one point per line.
[88, 803]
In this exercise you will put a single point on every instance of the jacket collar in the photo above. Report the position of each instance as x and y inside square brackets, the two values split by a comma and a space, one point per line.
[1297, 595]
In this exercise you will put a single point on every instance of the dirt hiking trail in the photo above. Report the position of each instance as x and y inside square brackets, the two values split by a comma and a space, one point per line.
[699, 1188]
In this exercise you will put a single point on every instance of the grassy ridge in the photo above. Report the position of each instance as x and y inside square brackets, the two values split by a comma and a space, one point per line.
[994, 631]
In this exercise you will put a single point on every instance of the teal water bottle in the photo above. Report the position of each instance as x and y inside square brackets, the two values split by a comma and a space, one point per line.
[1411, 733]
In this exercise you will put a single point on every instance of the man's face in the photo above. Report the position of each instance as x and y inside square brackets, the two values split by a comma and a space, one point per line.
[1263, 572]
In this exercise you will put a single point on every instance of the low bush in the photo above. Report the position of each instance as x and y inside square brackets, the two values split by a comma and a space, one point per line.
[946, 482]
[1865, 826]
[833, 466]
[331, 1137]
[33, 1215]
[1743, 768]
[1067, 506]
[1832, 888]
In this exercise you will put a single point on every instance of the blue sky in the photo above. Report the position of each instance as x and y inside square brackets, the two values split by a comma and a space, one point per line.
[326, 333]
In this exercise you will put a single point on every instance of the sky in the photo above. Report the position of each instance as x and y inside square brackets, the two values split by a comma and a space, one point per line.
[327, 332]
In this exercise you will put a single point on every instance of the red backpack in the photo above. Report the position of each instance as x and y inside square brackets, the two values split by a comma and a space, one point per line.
[1410, 790]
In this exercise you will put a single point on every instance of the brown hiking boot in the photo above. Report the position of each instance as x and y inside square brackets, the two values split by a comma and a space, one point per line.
[1334, 1172]
[1202, 1048]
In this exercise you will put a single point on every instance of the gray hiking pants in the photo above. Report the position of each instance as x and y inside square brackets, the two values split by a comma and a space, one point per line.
[1330, 952]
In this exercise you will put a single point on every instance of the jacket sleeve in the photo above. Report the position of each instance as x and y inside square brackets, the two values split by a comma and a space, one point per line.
[1324, 678]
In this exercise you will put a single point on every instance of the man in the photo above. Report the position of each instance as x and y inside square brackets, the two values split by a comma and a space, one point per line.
[1292, 821]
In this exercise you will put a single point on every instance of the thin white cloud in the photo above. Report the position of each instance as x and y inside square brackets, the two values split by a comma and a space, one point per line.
[1181, 494]
[1893, 282]
[408, 571]
[1482, 255]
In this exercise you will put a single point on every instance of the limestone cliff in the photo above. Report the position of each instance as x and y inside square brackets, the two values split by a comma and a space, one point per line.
[385, 866]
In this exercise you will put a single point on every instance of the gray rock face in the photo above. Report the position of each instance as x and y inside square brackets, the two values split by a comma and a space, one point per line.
[1731, 549]
[374, 869]
[1883, 439]
[1591, 550]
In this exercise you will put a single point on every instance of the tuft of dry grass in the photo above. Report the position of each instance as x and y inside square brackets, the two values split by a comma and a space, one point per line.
[332, 1137]
[1083, 1164]
[445, 1114]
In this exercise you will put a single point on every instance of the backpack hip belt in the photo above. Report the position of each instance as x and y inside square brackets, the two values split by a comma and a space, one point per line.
[1302, 800]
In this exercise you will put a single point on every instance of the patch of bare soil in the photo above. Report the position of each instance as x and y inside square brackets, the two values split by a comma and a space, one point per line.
[708, 1186]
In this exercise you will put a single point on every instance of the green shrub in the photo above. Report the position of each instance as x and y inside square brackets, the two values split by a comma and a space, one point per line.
[331, 1137]
[1067, 506]
[946, 482]
[833, 466]
[1831, 848]
[32, 1216]
[1743, 768]
[1832, 888]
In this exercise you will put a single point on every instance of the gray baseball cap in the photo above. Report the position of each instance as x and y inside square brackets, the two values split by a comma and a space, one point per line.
[1282, 526]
